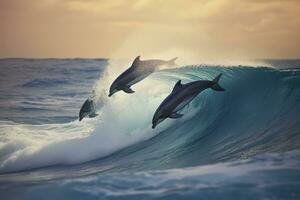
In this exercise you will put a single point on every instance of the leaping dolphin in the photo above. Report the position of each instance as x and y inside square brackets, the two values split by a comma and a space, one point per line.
[139, 70]
[181, 95]
[87, 109]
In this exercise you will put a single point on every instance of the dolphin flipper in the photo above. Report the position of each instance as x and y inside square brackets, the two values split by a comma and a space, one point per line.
[128, 90]
[175, 115]
[92, 115]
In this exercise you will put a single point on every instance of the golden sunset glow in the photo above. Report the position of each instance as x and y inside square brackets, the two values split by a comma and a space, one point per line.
[206, 29]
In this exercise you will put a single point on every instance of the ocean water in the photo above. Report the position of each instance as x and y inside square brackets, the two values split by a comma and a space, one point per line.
[243, 143]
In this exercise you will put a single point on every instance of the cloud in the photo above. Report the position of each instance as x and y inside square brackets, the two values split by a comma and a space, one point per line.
[208, 28]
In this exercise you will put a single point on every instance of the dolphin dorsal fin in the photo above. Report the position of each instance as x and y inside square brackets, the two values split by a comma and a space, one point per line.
[136, 62]
[177, 86]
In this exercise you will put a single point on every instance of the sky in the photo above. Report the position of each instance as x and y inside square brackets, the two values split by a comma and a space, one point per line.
[202, 29]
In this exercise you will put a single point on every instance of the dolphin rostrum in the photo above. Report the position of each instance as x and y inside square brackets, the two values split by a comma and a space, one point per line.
[139, 70]
[181, 95]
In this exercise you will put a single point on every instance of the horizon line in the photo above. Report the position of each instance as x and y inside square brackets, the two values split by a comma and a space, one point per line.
[103, 58]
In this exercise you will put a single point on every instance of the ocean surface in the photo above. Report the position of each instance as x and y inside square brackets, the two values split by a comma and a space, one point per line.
[243, 143]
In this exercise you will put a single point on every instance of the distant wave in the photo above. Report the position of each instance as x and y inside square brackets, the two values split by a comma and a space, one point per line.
[44, 82]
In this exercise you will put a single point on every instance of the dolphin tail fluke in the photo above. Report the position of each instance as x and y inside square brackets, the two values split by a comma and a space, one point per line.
[172, 62]
[216, 85]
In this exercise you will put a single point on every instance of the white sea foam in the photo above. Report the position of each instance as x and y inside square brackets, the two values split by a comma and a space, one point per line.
[125, 119]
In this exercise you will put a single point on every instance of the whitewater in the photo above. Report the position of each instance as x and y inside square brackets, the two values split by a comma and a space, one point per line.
[245, 140]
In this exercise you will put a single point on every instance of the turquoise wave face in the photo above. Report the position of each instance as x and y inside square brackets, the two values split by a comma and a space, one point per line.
[258, 113]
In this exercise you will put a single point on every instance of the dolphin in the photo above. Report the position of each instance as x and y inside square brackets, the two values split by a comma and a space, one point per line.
[139, 70]
[87, 109]
[182, 95]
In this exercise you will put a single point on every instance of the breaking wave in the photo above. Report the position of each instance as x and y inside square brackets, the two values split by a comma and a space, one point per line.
[258, 113]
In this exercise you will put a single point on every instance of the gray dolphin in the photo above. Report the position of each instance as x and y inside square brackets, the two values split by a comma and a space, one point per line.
[181, 95]
[87, 109]
[139, 70]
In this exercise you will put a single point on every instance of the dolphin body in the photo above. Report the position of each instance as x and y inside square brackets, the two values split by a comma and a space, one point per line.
[138, 71]
[87, 109]
[181, 95]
